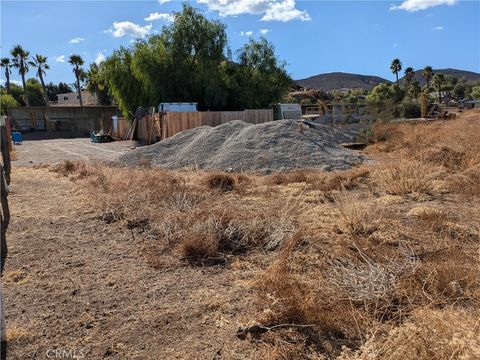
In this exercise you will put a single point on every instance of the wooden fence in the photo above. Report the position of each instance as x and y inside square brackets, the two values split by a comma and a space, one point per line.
[159, 126]
[5, 169]
[5, 146]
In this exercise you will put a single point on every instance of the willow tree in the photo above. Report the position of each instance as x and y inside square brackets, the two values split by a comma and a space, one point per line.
[187, 62]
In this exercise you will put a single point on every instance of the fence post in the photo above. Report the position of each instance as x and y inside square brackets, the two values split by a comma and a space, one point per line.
[5, 150]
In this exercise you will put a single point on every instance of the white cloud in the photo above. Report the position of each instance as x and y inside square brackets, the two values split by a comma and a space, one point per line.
[417, 5]
[100, 58]
[272, 10]
[437, 28]
[60, 58]
[123, 28]
[15, 82]
[246, 33]
[76, 40]
[264, 31]
[163, 1]
[285, 11]
[159, 16]
[395, 45]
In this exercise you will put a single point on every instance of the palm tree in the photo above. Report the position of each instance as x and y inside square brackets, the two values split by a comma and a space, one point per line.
[77, 62]
[40, 62]
[396, 67]
[427, 73]
[20, 56]
[409, 74]
[437, 82]
[414, 89]
[93, 81]
[6, 63]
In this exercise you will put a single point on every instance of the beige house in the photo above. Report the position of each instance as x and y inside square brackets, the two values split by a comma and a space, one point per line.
[71, 99]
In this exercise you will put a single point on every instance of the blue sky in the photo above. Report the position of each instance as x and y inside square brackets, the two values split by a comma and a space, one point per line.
[311, 36]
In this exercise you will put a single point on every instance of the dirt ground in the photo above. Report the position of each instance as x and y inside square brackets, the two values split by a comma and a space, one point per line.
[35, 152]
[75, 286]
[85, 279]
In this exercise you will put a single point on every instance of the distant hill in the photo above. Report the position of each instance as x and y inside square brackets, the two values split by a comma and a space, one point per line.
[340, 80]
[469, 76]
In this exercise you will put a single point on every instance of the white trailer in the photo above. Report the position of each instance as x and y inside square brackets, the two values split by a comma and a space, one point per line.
[177, 107]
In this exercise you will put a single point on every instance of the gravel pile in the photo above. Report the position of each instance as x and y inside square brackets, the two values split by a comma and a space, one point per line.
[238, 146]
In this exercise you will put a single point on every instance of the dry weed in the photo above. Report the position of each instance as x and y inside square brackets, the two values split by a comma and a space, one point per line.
[403, 178]
[429, 334]
[357, 217]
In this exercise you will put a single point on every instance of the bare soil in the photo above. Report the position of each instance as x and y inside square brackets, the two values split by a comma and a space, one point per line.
[35, 152]
[74, 283]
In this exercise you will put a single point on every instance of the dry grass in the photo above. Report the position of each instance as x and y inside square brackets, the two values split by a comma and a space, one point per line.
[403, 178]
[380, 261]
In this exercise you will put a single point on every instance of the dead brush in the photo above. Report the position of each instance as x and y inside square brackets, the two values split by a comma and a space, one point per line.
[321, 180]
[449, 333]
[220, 180]
[403, 178]
[219, 234]
[357, 217]
[466, 182]
[65, 168]
[433, 218]
[439, 283]
[449, 158]
[366, 280]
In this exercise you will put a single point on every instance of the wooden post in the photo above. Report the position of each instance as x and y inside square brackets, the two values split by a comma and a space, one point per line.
[5, 152]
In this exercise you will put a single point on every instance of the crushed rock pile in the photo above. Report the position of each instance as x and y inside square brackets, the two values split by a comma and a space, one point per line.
[238, 146]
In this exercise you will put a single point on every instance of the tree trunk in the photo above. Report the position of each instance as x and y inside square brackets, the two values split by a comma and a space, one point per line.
[7, 78]
[97, 94]
[45, 95]
[79, 90]
[25, 91]
[396, 74]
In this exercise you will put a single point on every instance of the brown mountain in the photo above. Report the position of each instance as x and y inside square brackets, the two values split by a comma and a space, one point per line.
[341, 80]
[469, 76]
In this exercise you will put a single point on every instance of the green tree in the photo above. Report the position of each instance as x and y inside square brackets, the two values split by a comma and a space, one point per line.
[260, 71]
[427, 73]
[7, 101]
[381, 93]
[437, 82]
[476, 92]
[460, 90]
[409, 74]
[35, 93]
[96, 84]
[17, 93]
[126, 89]
[40, 62]
[77, 62]
[396, 67]
[20, 61]
[414, 90]
[7, 64]
[189, 61]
